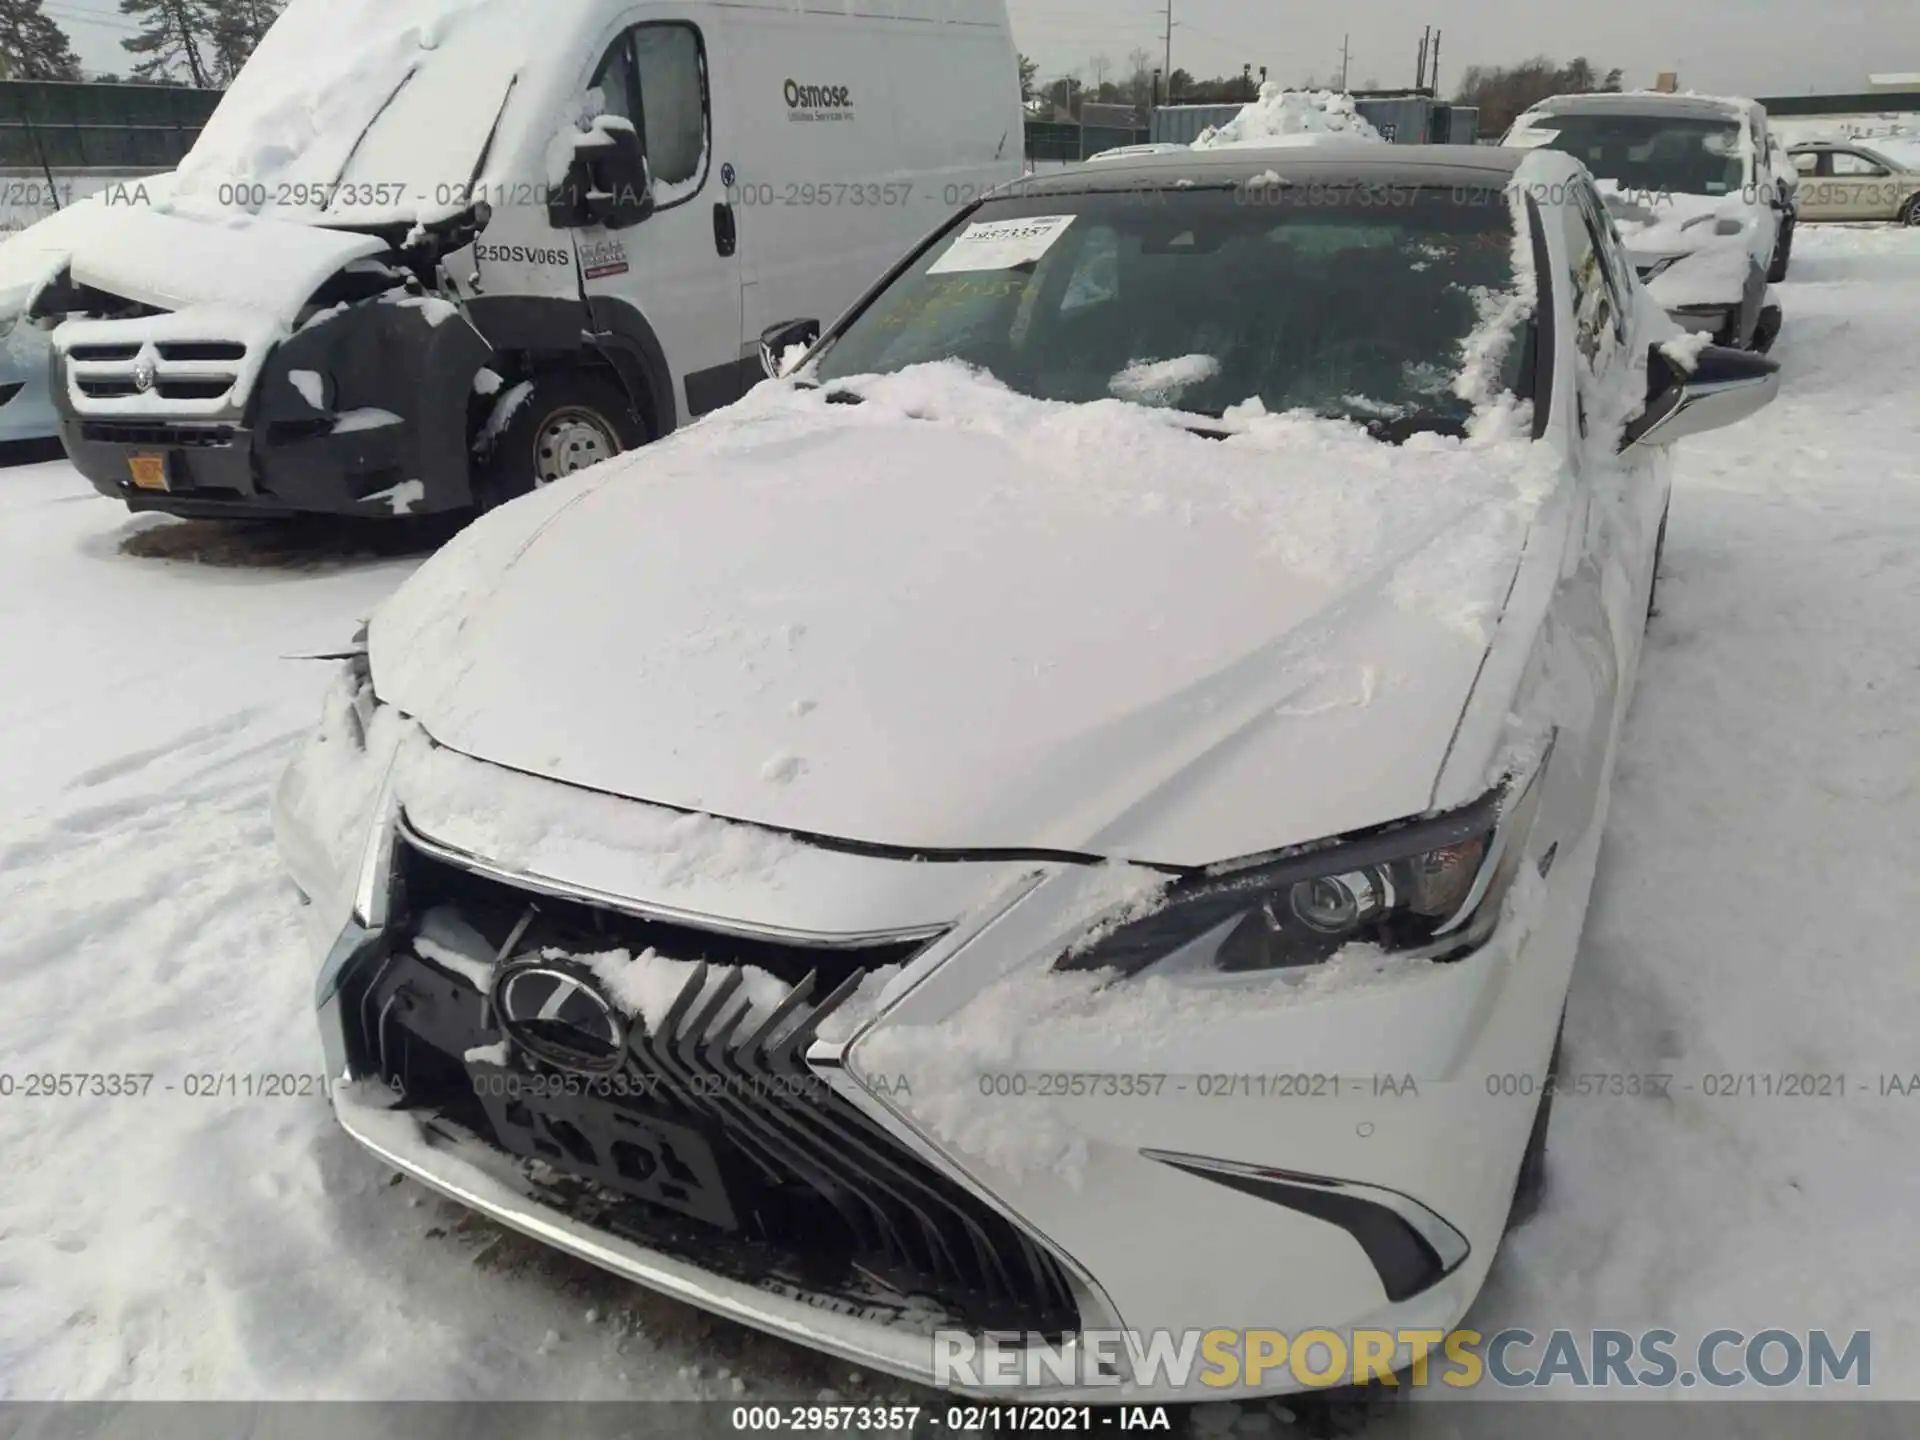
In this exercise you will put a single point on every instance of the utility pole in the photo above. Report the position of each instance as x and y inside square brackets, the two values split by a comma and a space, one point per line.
[1433, 67]
[1420, 66]
[1169, 52]
[1344, 39]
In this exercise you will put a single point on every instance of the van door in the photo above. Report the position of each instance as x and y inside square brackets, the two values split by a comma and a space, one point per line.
[679, 269]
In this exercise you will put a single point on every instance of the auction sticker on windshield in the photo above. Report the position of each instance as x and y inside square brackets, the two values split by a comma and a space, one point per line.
[1001, 244]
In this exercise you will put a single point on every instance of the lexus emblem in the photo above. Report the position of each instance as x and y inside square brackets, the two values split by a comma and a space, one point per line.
[555, 1011]
[144, 374]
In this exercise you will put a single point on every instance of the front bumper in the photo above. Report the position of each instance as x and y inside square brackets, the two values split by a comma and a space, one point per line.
[216, 414]
[216, 471]
[1129, 1200]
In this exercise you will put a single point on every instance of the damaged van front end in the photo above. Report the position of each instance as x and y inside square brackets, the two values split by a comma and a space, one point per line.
[297, 324]
[347, 392]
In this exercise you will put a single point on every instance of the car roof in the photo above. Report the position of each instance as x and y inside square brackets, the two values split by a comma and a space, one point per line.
[1338, 162]
[1644, 102]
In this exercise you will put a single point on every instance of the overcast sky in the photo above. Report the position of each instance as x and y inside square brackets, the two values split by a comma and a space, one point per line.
[1748, 47]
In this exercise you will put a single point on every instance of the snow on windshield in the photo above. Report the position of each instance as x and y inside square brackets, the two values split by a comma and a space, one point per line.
[389, 100]
[1657, 153]
[1161, 382]
[1283, 116]
[1205, 299]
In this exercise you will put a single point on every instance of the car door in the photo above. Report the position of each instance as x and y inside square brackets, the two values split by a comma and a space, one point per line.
[1861, 186]
[1627, 492]
[678, 269]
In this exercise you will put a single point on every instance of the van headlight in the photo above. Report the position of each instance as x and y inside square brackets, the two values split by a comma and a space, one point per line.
[1427, 889]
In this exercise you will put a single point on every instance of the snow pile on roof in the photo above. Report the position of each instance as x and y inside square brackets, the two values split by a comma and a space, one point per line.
[1291, 117]
[394, 99]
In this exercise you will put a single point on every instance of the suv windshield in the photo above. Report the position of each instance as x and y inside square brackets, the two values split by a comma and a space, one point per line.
[1346, 302]
[1651, 152]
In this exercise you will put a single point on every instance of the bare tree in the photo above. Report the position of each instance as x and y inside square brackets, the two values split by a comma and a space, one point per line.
[1503, 91]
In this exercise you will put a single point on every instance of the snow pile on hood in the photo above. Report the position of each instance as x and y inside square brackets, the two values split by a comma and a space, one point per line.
[1709, 234]
[1291, 117]
[31, 256]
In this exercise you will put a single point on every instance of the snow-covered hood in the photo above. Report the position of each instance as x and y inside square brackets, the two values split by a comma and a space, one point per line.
[950, 618]
[1708, 240]
[36, 254]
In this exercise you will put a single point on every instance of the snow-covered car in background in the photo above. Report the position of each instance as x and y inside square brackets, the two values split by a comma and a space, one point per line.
[1858, 180]
[1195, 681]
[26, 412]
[1690, 182]
[27, 257]
[432, 254]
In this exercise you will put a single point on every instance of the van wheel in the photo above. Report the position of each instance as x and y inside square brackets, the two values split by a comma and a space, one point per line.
[1782, 255]
[1530, 1186]
[1766, 329]
[571, 420]
[1911, 215]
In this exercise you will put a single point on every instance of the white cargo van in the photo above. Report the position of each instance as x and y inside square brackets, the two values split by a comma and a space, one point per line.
[433, 253]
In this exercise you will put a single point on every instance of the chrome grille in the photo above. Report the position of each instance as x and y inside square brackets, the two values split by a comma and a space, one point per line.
[819, 1188]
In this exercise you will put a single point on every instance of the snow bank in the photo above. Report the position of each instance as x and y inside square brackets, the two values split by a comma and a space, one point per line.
[1291, 117]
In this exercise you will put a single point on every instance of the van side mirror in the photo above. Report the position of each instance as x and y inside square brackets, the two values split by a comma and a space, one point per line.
[779, 339]
[608, 182]
[1724, 387]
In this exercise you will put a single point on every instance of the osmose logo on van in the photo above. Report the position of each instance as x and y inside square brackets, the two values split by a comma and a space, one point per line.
[818, 102]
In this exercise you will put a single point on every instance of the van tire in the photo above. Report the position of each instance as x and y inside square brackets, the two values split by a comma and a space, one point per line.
[572, 419]
[1766, 329]
[1911, 215]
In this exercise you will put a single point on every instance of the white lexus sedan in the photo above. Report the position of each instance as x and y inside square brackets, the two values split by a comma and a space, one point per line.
[1070, 810]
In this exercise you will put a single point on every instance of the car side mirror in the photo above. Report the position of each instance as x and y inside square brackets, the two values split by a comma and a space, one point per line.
[1724, 387]
[608, 181]
[778, 340]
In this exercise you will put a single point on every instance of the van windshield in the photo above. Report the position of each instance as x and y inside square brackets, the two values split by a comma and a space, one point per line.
[1350, 302]
[1651, 152]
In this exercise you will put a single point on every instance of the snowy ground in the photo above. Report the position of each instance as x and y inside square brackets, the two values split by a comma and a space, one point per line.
[1751, 917]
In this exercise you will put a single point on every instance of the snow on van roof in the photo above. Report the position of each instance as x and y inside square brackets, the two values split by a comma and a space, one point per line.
[1290, 117]
[365, 111]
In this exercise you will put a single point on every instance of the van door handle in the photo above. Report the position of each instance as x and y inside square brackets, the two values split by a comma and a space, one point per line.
[726, 235]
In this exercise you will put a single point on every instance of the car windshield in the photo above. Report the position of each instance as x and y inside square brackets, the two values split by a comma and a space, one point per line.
[1349, 303]
[1651, 152]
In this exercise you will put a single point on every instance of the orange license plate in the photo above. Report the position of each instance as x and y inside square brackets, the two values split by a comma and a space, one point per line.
[149, 471]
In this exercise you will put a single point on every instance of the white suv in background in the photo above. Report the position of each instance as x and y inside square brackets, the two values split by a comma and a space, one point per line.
[1691, 183]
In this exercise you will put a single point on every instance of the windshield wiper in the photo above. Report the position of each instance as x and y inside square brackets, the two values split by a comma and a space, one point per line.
[1398, 429]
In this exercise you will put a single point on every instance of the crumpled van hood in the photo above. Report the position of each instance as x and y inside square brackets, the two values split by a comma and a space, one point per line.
[952, 619]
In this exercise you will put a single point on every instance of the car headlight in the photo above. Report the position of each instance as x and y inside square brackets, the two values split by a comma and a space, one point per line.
[1430, 888]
